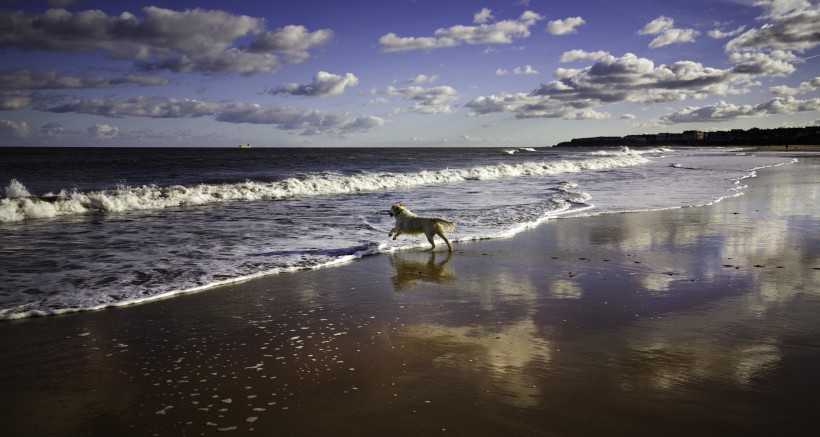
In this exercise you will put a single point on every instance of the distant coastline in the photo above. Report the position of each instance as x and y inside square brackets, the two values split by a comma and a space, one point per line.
[782, 137]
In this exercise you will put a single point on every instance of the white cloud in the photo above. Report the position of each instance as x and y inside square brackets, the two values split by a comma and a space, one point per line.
[422, 78]
[194, 40]
[723, 111]
[435, 100]
[501, 32]
[768, 64]
[565, 26]
[528, 105]
[324, 85]
[792, 25]
[526, 70]
[628, 116]
[577, 55]
[577, 93]
[657, 26]
[482, 16]
[12, 129]
[804, 87]
[666, 33]
[719, 34]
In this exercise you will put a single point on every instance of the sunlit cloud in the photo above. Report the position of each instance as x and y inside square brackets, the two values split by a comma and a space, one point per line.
[501, 32]
[324, 85]
[196, 40]
[723, 111]
[565, 26]
[434, 100]
[667, 33]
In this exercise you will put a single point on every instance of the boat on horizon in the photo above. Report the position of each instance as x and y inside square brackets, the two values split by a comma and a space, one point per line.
[245, 146]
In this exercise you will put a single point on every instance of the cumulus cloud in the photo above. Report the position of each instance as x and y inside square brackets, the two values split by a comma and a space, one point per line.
[565, 26]
[579, 55]
[434, 100]
[577, 92]
[24, 78]
[195, 40]
[103, 131]
[767, 64]
[791, 25]
[501, 32]
[482, 16]
[13, 129]
[667, 33]
[804, 87]
[723, 111]
[324, 85]
[533, 106]
[311, 122]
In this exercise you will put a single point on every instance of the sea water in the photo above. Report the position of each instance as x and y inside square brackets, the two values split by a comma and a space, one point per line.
[85, 228]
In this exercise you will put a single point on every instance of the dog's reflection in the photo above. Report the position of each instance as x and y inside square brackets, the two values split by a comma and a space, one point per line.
[414, 267]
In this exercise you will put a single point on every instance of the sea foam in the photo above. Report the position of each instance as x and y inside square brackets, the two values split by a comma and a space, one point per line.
[19, 204]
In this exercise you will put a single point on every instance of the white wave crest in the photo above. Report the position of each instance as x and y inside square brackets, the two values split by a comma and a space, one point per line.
[149, 197]
[624, 151]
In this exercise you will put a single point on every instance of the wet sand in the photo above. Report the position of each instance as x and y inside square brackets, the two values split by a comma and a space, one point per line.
[690, 321]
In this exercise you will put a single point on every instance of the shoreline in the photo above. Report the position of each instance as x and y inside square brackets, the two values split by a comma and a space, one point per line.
[697, 316]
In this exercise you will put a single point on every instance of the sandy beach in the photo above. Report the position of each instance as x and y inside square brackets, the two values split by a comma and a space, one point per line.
[678, 322]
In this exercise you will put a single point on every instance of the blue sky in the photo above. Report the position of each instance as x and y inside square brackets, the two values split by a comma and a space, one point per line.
[400, 72]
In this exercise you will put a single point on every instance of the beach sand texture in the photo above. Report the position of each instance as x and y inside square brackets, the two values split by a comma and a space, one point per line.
[693, 321]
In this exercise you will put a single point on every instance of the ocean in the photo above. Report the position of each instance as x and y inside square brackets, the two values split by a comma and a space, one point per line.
[90, 228]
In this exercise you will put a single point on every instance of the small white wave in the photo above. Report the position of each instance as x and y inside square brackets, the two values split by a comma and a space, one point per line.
[16, 190]
[150, 197]
[520, 149]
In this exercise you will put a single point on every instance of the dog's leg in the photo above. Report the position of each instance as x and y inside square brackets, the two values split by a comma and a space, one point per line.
[430, 239]
[390, 234]
[444, 237]
[396, 233]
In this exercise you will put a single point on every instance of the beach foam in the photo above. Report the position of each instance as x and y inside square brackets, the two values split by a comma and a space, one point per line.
[20, 205]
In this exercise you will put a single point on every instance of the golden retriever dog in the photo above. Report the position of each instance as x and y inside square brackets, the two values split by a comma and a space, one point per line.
[411, 224]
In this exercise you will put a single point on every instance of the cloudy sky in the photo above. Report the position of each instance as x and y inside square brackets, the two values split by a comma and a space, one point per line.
[400, 72]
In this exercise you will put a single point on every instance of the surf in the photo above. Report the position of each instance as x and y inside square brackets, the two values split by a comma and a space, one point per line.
[20, 205]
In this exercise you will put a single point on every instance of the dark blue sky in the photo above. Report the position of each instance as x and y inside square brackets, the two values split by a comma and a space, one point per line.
[399, 73]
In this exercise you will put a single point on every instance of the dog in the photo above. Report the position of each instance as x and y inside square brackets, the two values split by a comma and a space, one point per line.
[411, 224]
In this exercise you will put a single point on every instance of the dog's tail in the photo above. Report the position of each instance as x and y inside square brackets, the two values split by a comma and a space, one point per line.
[444, 224]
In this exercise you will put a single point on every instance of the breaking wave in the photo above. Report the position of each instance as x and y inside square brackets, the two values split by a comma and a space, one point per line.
[19, 204]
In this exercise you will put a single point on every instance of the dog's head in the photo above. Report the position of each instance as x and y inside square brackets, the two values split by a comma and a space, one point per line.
[396, 209]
